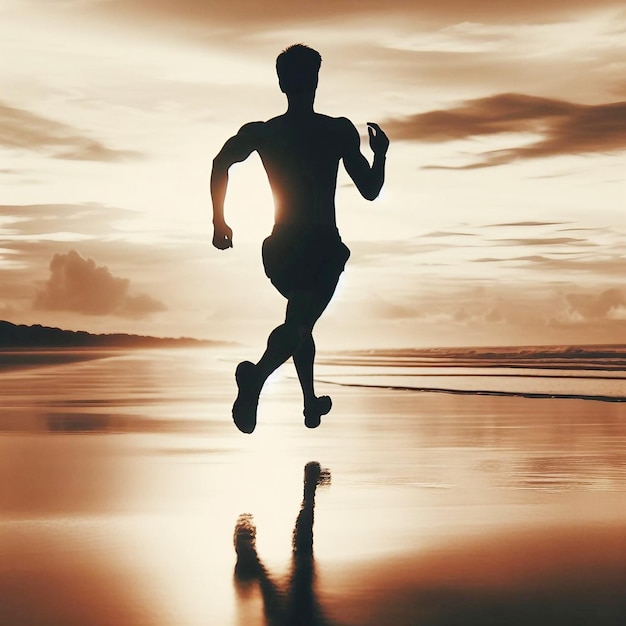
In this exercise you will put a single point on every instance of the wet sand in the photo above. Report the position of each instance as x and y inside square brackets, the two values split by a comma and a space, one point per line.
[122, 479]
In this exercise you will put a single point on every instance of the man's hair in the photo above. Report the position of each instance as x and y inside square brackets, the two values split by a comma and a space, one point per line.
[297, 67]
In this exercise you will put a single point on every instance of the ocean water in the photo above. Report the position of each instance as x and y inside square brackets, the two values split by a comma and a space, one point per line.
[496, 497]
[587, 372]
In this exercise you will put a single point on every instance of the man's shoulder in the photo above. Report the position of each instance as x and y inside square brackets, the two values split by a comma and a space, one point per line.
[251, 128]
[251, 135]
[342, 128]
[336, 122]
[319, 117]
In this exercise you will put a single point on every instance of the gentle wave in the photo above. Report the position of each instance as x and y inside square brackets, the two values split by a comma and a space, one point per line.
[589, 372]
[479, 392]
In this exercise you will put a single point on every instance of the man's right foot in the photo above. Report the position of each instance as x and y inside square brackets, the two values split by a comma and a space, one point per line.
[313, 411]
[245, 406]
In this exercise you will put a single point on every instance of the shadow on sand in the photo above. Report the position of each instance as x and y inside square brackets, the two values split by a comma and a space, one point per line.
[294, 603]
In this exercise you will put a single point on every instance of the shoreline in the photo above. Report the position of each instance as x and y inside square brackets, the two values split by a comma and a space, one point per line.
[480, 392]
[27, 358]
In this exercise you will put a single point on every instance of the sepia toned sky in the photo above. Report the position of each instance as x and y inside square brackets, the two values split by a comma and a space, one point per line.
[503, 219]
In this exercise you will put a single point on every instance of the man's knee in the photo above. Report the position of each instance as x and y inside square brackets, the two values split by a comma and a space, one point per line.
[300, 329]
[303, 319]
[305, 308]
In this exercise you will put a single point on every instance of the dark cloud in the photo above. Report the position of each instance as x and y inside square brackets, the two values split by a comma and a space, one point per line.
[612, 265]
[529, 258]
[254, 14]
[78, 284]
[565, 127]
[597, 306]
[592, 311]
[538, 258]
[585, 230]
[22, 129]
[503, 113]
[542, 241]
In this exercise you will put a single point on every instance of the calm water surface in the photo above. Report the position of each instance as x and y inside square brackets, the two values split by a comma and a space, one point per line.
[122, 479]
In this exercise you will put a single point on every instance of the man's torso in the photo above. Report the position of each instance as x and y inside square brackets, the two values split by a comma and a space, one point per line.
[301, 156]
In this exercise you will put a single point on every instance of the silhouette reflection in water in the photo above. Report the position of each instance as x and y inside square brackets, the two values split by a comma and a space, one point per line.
[295, 603]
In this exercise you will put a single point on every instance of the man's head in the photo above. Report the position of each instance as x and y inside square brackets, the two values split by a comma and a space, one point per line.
[297, 67]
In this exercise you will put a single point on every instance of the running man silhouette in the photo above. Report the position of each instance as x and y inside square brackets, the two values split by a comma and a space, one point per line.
[304, 255]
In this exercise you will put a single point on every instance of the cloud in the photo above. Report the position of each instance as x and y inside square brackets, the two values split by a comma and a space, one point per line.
[565, 127]
[516, 313]
[88, 218]
[442, 233]
[608, 304]
[373, 252]
[541, 241]
[78, 284]
[252, 13]
[25, 130]
[593, 312]
[524, 224]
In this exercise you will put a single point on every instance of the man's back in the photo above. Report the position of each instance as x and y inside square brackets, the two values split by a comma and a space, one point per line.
[301, 155]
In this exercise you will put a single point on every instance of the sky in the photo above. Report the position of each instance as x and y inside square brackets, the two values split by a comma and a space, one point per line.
[502, 220]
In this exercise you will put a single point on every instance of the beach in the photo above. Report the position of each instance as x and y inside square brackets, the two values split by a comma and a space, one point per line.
[122, 478]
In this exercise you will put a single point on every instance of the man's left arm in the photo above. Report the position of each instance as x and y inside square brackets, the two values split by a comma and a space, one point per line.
[368, 180]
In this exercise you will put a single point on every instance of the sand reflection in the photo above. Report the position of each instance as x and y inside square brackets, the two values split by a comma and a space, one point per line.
[294, 603]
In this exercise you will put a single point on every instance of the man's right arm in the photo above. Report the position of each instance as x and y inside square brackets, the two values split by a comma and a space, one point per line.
[235, 150]
[368, 180]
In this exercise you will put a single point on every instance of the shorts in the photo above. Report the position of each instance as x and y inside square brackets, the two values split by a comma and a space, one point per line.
[304, 257]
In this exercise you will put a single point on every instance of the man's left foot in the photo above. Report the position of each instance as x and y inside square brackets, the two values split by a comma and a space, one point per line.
[245, 406]
[314, 409]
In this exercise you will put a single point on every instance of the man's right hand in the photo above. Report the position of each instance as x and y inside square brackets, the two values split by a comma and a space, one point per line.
[222, 236]
[379, 142]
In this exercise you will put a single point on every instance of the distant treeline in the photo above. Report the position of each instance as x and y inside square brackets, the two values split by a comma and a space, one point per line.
[37, 336]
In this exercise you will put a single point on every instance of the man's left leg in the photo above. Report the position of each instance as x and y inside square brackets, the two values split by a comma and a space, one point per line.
[314, 406]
